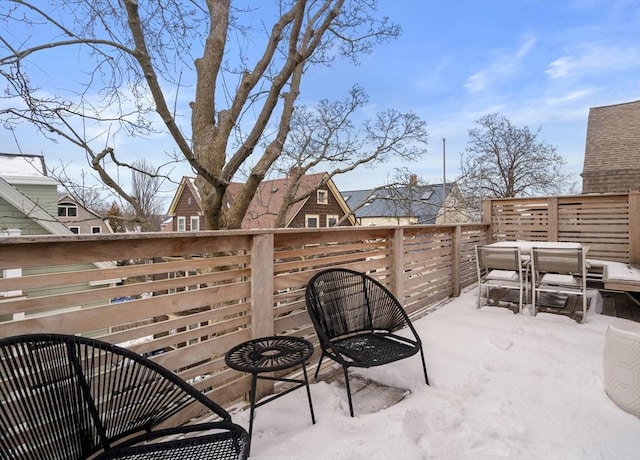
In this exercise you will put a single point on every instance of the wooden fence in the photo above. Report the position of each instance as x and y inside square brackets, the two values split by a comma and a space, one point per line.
[609, 224]
[186, 298]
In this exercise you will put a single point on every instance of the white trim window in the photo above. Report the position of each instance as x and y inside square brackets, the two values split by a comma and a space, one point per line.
[67, 209]
[194, 223]
[332, 220]
[312, 221]
[182, 224]
[322, 197]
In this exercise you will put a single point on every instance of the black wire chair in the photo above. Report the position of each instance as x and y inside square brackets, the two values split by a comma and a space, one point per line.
[69, 397]
[355, 318]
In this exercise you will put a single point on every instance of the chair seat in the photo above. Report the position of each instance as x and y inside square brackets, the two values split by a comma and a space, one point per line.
[562, 280]
[222, 445]
[374, 349]
[503, 275]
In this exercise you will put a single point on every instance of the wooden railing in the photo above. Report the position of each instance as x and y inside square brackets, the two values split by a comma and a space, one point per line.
[609, 224]
[186, 298]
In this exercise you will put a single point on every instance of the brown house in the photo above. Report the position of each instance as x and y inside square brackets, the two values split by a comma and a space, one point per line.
[612, 153]
[185, 209]
[79, 219]
[323, 208]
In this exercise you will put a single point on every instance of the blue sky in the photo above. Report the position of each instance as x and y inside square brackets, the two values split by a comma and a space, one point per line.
[538, 63]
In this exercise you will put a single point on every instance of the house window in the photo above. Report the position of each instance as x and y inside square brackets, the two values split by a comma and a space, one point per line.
[332, 220]
[67, 210]
[75, 230]
[195, 223]
[312, 221]
[96, 229]
[182, 224]
[323, 197]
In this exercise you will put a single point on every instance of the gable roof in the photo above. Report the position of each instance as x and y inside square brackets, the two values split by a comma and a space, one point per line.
[264, 206]
[27, 169]
[423, 202]
[69, 199]
[187, 183]
[29, 208]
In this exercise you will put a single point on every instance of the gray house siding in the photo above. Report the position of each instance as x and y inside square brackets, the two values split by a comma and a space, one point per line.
[13, 218]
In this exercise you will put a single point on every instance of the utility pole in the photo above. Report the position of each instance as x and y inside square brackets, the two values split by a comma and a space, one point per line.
[444, 181]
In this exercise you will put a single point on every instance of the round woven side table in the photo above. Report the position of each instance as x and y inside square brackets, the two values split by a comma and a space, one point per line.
[271, 354]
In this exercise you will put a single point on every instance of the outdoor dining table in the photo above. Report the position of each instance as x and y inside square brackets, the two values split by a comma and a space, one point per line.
[525, 246]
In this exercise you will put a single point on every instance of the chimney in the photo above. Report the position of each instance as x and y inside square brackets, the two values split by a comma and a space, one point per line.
[413, 179]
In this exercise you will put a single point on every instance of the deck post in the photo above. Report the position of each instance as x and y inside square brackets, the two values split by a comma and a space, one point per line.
[634, 222]
[262, 319]
[552, 215]
[456, 257]
[397, 264]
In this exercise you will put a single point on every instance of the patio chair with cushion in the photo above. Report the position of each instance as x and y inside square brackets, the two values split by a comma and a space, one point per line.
[559, 271]
[356, 319]
[500, 267]
[69, 397]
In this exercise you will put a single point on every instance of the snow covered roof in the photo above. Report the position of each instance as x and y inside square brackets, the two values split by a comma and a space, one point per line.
[22, 165]
[24, 169]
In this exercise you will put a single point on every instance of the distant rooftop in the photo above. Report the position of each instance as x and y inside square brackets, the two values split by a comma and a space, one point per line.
[22, 165]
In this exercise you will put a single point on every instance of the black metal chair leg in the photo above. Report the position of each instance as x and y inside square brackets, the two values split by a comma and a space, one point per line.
[346, 383]
[306, 381]
[319, 364]
[424, 366]
[252, 399]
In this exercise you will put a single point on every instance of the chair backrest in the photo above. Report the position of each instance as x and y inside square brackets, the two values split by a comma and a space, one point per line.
[569, 261]
[342, 301]
[67, 397]
[498, 258]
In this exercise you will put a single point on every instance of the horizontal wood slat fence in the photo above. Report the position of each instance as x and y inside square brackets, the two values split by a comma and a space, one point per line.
[608, 223]
[184, 299]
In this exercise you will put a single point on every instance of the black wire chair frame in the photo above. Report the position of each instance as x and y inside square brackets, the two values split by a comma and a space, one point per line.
[355, 318]
[70, 397]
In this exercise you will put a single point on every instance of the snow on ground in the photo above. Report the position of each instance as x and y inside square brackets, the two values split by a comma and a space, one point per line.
[503, 386]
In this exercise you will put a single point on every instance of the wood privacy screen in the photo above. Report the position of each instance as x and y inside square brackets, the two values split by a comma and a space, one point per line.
[609, 224]
[184, 299]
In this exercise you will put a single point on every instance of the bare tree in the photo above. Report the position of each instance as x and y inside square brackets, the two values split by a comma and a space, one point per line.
[502, 160]
[145, 185]
[327, 138]
[244, 94]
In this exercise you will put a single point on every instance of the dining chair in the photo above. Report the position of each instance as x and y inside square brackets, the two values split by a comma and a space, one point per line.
[500, 267]
[559, 271]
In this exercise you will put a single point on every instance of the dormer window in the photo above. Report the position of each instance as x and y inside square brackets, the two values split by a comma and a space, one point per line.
[323, 197]
[67, 210]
